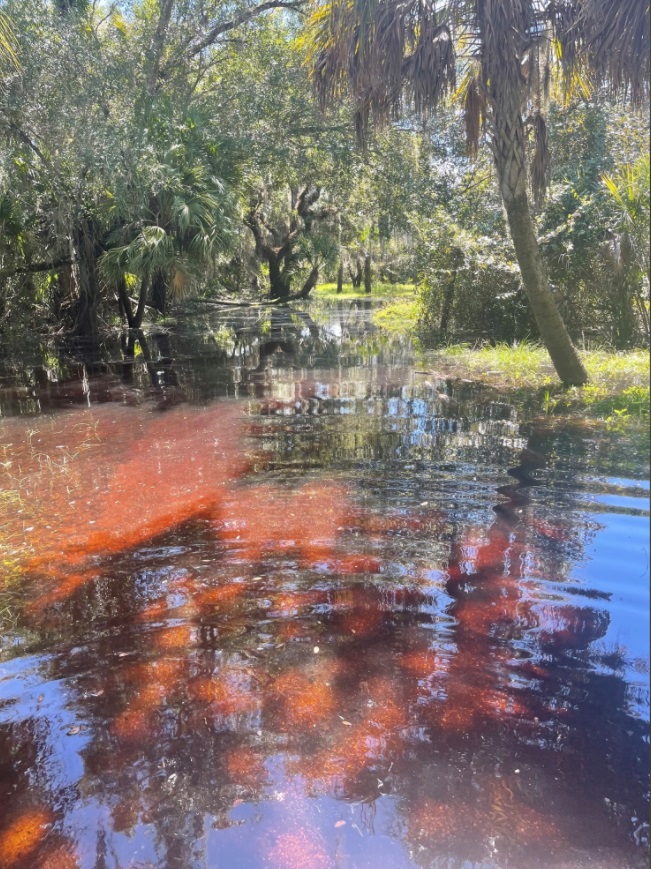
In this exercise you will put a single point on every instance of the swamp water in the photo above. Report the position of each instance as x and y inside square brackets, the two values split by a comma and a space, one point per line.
[308, 604]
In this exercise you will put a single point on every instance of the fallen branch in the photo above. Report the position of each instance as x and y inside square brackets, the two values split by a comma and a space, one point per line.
[36, 267]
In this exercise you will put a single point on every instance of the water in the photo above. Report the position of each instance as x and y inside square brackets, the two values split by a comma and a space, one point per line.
[287, 598]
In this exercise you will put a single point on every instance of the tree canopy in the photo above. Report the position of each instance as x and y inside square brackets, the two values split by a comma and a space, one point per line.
[154, 150]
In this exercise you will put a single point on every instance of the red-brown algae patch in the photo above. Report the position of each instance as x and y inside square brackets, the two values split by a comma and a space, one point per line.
[59, 857]
[302, 848]
[23, 835]
[245, 767]
[432, 821]
[133, 725]
[305, 696]
[179, 637]
[159, 474]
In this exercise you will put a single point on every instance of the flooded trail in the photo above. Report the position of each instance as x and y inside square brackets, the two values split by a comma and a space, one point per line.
[303, 603]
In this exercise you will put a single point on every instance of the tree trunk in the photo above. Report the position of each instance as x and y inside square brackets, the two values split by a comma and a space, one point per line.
[367, 273]
[356, 276]
[142, 302]
[310, 283]
[340, 277]
[158, 44]
[505, 43]
[448, 297]
[159, 292]
[550, 323]
[279, 285]
[85, 326]
[124, 302]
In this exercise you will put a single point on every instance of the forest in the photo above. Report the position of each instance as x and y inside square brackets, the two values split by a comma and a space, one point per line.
[324, 434]
[160, 154]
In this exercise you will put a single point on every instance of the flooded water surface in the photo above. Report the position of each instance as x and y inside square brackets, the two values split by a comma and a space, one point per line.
[284, 597]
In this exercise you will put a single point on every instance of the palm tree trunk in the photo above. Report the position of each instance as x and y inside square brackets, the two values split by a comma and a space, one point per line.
[508, 138]
[552, 329]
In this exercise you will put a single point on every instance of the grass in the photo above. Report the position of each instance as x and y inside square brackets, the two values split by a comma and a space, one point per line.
[617, 392]
[380, 290]
[399, 317]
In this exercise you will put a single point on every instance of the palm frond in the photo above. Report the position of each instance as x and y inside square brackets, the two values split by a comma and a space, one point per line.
[617, 43]
[7, 42]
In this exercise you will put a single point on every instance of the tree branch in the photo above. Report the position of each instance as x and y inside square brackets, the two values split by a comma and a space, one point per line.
[36, 267]
[242, 18]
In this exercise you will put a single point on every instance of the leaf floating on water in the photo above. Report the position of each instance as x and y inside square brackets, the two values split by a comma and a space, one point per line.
[340, 824]
[40, 698]
[74, 730]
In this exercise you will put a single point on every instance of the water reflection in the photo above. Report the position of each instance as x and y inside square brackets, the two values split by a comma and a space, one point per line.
[351, 619]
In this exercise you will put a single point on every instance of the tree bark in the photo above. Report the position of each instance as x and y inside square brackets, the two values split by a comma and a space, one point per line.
[159, 292]
[340, 277]
[555, 336]
[158, 44]
[125, 302]
[506, 40]
[278, 284]
[367, 273]
[86, 278]
[448, 297]
[142, 302]
[356, 276]
[310, 283]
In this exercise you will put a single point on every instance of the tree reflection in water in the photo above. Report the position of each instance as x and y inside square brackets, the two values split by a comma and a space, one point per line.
[327, 636]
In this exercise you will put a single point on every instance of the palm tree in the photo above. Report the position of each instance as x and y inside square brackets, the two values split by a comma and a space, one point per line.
[184, 227]
[7, 42]
[397, 55]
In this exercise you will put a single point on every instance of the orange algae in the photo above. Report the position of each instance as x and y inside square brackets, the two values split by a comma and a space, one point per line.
[133, 725]
[306, 700]
[298, 849]
[154, 612]
[177, 637]
[229, 695]
[60, 857]
[245, 767]
[23, 836]
[218, 596]
[304, 522]
[125, 815]
[424, 664]
[144, 474]
[433, 820]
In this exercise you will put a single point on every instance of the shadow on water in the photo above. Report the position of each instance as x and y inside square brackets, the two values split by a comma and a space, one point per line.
[325, 611]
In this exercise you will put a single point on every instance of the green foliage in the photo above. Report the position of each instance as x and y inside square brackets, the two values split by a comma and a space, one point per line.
[137, 168]
[399, 317]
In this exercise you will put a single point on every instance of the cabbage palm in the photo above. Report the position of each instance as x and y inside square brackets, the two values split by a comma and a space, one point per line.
[395, 55]
[7, 42]
[185, 226]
